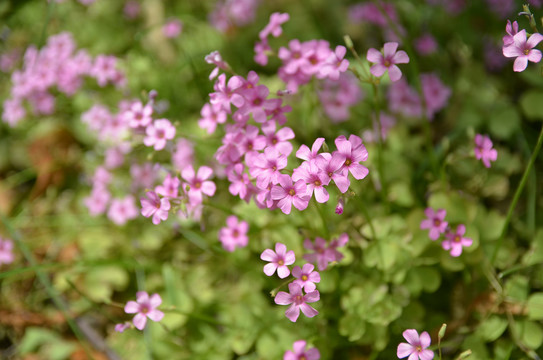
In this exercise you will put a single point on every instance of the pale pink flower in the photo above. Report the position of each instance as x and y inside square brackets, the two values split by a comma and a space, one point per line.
[234, 234]
[354, 152]
[456, 241]
[156, 207]
[306, 277]
[122, 327]
[172, 28]
[511, 29]
[122, 210]
[298, 300]
[138, 115]
[484, 150]
[279, 259]
[274, 26]
[523, 50]
[144, 307]
[6, 251]
[310, 155]
[435, 222]
[300, 353]
[289, 194]
[416, 347]
[158, 133]
[387, 61]
[199, 185]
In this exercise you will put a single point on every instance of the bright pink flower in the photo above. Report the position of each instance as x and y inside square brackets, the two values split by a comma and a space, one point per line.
[298, 300]
[280, 139]
[256, 103]
[279, 259]
[6, 251]
[199, 185]
[523, 50]
[144, 307]
[169, 187]
[122, 210]
[158, 133]
[332, 166]
[484, 150]
[239, 181]
[215, 58]
[416, 347]
[511, 29]
[226, 93]
[340, 206]
[315, 179]
[266, 167]
[235, 234]
[435, 222]
[300, 353]
[335, 64]
[456, 241]
[387, 61]
[274, 26]
[310, 155]
[154, 206]
[354, 152]
[306, 277]
[289, 194]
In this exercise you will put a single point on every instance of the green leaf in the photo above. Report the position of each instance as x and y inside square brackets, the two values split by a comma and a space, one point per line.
[517, 288]
[530, 333]
[352, 327]
[531, 104]
[492, 328]
[505, 122]
[535, 307]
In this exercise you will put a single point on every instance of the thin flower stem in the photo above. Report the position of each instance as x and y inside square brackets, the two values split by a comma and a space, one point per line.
[380, 166]
[323, 220]
[516, 197]
[274, 291]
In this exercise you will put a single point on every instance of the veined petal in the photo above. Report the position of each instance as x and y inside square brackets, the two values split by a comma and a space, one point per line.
[425, 339]
[293, 312]
[534, 39]
[389, 49]
[268, 255]
[378, 70]
[270, 268]
[155, 315]
[374, 56]
[308, 310]
[400, 57]
[394, 73]
[412, 336]
[404, 350]
[283, 298]
[139, 321]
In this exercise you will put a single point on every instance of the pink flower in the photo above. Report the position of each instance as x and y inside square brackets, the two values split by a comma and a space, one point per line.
[354, 152]
[122, 327]
[484, 150]
[144, 307]
[211, 116]
[456, 241]
[274, 26]
[155, 207]
[172, 28]
[435, 222]
[138, 115]
[158, 133]
[416, 347]
[306, 277]
[290, 194]
[426, 44]
[6, 251]
[436, 94]
[319, 256]
[235, 234]
[340, 206]
[332, 165]
[266, 167]
[97, 201]
[523, 50]
[169, 187]
[298, 300]
[387, 61]
[511, 30]
[300, 353]
[199, 185]
[315, 180]
[309, 155]
[122, 210]
[278, 260]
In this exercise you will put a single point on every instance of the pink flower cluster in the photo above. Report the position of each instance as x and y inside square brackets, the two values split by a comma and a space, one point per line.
[404, 100]
[300, 352]
[302, 61]
[516, 44]
[57, 65]
[305, 276]
[144, 307]
[262, 47]
[484, 151]
[6, 251]
[436, 224]
[254, 155]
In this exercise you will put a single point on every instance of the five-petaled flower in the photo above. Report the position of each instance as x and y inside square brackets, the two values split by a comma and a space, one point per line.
[435, 221]
[456, 241]
[416, 347]
[484, 150]
[387, 61]
[144, 307]
[279, 259]
[298, 301]
[523, 50]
